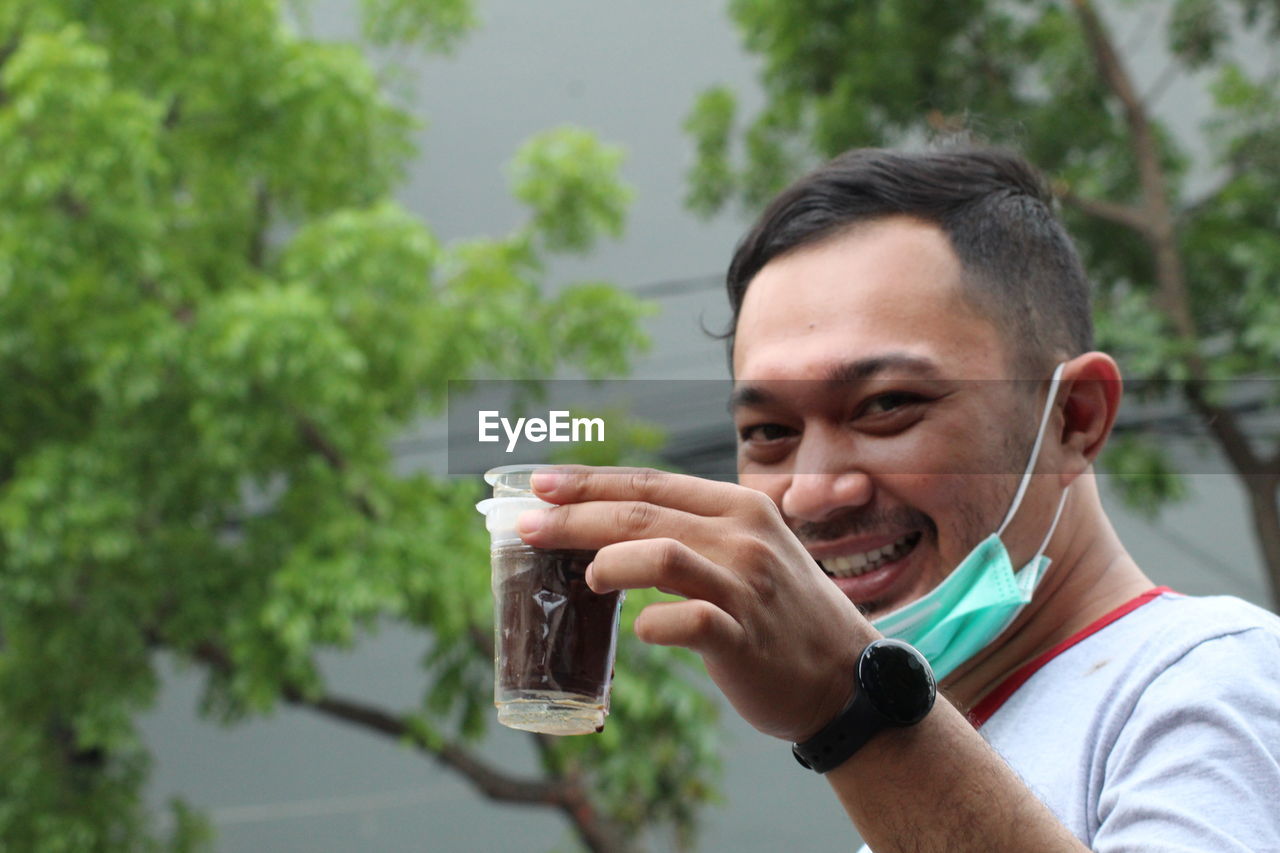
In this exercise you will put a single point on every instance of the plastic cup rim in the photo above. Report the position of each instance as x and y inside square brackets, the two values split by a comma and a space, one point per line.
[483, 506]
[491, 476]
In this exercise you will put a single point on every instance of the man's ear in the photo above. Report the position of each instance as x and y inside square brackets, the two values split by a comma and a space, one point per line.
[1090, 399]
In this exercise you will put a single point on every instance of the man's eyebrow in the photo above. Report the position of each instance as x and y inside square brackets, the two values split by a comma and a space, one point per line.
[848, 371]
[866, 368]
[749, 395]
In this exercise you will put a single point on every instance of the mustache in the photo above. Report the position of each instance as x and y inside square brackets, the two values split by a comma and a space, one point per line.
[857, 522]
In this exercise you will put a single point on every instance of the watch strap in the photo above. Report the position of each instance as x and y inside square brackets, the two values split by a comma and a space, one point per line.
[842, 737]
[893, 687]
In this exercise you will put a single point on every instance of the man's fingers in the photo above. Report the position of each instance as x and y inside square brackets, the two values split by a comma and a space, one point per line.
[695, 624]
[665, 564]
[579, 483]
[599, 523]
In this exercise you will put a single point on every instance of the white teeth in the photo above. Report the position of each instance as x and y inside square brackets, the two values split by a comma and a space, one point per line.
[852, 565]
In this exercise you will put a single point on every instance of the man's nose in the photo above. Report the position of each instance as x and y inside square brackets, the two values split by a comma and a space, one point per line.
[814, 495]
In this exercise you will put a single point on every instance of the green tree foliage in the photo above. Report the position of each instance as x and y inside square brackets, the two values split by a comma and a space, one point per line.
[213, 322]
[1187, 276]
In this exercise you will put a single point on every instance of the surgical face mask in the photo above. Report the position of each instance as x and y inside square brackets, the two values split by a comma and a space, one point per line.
[982, 597]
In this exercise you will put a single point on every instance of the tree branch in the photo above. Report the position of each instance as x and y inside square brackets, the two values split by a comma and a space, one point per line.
[1161, 235]
[308, 430]
[567, 794]
[10, 47]
[1123, 215]
[173, 114]
[261, 222]
[1112, 70]
[483, 641]
[315, 439]
[71, 206]
[489, 780]
[1146, 152]
[63, 736]
[1225, 427]
[7, 50]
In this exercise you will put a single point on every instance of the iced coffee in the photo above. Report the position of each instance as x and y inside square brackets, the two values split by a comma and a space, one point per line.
[555, 639]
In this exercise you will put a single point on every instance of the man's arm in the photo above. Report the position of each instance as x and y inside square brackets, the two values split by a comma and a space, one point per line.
[780, 641]
[938, 786]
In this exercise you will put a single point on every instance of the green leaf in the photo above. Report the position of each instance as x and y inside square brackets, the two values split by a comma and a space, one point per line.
[710, 124]
[568, 180]
[1197, 31]
[214, 323]
[1142, 474]
[437, 25]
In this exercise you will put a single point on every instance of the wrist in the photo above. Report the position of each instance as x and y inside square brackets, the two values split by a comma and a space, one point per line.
[840, 685]
[839, 693]
[893, 687]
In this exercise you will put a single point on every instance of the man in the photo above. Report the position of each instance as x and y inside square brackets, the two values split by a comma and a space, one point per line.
[919, 408]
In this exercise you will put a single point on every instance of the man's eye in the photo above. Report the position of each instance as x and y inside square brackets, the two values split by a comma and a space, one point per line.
[884, 403]
[765, 432]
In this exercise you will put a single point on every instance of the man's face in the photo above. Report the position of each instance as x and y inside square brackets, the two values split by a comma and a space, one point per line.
[861, 410]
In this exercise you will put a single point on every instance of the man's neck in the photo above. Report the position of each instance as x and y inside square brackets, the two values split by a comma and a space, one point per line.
[1090, 576]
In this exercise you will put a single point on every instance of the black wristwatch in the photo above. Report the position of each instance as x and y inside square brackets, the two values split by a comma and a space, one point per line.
[895, 688]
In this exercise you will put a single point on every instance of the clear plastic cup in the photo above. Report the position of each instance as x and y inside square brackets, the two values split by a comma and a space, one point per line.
[554, 639]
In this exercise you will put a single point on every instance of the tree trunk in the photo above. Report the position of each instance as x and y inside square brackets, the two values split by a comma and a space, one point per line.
[1155, 221]
[1264, 500]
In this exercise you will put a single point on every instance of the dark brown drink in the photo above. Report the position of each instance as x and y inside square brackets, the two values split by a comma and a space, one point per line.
[555, 636]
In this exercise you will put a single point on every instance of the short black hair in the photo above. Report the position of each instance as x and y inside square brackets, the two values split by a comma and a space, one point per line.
[1021, 268]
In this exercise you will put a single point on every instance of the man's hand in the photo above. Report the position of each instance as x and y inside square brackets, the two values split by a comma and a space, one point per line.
[777, 636]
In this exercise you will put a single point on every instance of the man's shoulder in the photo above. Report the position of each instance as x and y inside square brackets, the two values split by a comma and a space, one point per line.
[1198, 647]
[1159, 637]
[1172, 621]
[1186, 639]
[1193, 736]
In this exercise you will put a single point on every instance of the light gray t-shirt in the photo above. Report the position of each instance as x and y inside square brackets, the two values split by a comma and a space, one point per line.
[1156, 731]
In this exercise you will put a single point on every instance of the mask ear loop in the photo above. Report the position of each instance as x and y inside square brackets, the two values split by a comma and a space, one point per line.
[1035, 451]
[1062, 502]
[1033, 572]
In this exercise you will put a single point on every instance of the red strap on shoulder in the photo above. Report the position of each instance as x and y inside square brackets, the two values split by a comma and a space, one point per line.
[993, 700]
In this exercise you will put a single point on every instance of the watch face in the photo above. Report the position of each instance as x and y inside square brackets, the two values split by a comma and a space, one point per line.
[898, 681]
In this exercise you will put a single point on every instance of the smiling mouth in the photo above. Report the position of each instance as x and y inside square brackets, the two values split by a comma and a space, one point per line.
[852, 565]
